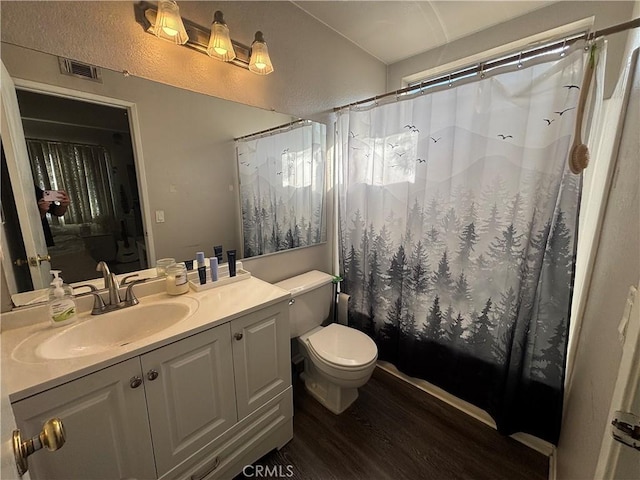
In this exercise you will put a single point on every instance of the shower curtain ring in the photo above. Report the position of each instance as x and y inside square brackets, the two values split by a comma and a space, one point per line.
[450, 84]
[482, 70]
[564, 45]
[520, 60]
[421, 88]
[590, 36]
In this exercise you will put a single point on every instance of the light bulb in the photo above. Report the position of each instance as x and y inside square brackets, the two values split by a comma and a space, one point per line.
[220, 45]
[168, 25]
[172, 32]
[260, 62]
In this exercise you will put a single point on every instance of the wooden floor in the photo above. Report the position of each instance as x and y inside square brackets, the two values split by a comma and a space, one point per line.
[396, 431]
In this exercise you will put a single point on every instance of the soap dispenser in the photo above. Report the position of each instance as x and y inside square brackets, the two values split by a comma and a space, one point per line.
[62, 306]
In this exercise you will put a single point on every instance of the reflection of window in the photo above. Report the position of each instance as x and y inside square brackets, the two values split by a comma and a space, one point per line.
[282, 189]
[385, 161]
[297, 168]
[83, 171]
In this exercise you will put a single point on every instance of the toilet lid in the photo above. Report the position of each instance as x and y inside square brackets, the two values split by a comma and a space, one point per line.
[343, 346]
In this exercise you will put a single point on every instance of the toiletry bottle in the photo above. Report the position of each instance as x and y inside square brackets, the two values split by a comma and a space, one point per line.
[202, 269]
[217, 251]
[213, 266]
[62, 306]
[231, 258]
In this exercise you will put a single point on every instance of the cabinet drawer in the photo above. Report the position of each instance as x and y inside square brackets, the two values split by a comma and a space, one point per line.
[269, 427]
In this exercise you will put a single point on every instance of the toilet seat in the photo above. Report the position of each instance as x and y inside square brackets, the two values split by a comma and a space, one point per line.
[343, 347]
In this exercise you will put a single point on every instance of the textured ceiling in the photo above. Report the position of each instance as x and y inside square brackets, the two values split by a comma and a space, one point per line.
[394, 30]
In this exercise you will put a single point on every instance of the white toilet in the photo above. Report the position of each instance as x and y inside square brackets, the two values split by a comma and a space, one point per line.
[337, 359]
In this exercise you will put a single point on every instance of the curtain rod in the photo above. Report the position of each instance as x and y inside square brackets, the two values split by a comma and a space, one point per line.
[484, 66]
[300, 121]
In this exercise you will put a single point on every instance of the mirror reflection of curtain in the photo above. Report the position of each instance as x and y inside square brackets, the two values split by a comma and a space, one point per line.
[458, 220]
[282, 189]
[83, 171]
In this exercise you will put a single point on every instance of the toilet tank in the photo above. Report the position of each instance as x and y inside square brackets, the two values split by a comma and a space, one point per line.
[312, 293]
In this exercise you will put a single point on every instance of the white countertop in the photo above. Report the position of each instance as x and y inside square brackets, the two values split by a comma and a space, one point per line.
[23, 377]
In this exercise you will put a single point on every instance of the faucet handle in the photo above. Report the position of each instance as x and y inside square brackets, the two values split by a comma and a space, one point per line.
[130, 298]
[98, 304]
[92, 288]
[123, 282]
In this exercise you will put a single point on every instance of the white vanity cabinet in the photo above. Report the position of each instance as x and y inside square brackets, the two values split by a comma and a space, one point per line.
[199, 408]
[261, 357]
[190, 395]
[105, 422]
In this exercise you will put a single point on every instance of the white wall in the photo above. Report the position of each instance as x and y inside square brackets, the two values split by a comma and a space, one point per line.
[617, 267]
[315, 69]
[555, 15]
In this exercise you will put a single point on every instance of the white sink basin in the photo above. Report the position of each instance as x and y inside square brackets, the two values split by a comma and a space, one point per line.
[94, 334]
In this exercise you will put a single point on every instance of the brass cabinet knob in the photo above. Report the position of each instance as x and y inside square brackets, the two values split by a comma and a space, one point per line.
[237, 336]
[135, 382]
[152, 374]
[52, 437]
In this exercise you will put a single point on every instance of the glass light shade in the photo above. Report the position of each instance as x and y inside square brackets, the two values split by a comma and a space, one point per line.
[169, 24]
[260, 62]
[220, 45]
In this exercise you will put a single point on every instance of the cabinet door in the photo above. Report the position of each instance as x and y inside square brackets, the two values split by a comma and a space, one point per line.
[261, 357]
[105, 422]
[191, 401]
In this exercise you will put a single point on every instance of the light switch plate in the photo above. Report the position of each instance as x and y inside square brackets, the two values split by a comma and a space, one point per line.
[159, 216]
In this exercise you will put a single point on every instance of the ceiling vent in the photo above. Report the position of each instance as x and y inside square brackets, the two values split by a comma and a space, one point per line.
[79, 69]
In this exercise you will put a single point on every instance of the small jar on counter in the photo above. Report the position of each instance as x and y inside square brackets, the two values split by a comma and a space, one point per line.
[177, 283]
[162, 265]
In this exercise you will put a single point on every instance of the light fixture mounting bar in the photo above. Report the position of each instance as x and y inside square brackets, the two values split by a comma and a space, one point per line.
[199, 38]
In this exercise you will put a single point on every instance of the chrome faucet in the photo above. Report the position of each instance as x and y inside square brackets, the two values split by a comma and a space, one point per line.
[110, 283]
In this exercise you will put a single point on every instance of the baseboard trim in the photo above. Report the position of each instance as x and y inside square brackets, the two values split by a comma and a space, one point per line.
[530, 441]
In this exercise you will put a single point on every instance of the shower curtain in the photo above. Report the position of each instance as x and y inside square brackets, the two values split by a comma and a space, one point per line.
[282, 189]
[458, 219]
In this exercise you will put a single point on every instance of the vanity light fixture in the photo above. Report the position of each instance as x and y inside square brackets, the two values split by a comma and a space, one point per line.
[260, 62]
[215, 42]
[168, 24]
[220, 46]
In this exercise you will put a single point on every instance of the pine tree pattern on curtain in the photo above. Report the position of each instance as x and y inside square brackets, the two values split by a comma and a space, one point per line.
[458, 220]
[282, 186]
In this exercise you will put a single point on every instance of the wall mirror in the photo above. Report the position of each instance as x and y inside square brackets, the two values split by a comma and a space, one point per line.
[180, 185]
[282, 185]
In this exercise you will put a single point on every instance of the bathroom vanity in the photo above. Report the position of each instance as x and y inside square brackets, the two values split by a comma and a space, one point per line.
[199, 399]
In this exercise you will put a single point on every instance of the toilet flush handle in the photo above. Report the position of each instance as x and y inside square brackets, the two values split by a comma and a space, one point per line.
[292, 301]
